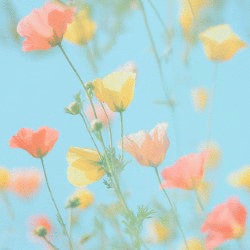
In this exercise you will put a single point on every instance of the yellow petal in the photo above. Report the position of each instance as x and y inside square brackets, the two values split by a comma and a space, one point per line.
[85, 197]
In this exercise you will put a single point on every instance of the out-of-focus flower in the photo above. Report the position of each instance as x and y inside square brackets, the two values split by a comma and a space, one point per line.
[200, 98]
[227, 221]
[44, 28]
[241, 178]
[96, 125]
[186, 20]
[81, 30]
[84, 166]
[213, 154]
[221, 43]
[158, 232]
[84, 197]
[104, 115]
[40, 226]
[128, 67]
[149, 149]
[37, 143]
[4, 178]
[116, 90]
[187, 173]
[194, 244]
[25, 182]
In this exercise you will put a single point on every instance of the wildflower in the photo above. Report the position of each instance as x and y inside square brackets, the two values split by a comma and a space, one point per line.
[116, 90]
[38, 143]
[221, 43]
[194, 244]
[40, 225]
[81, 30]
[200, 99]
[187, 173]
[44, 28]
[241, 178]
[83, 197]
[4, 178]
[149, 149]
[84, 166]
[158, 232]
[25, 182]
[105, 115]
[227, 221]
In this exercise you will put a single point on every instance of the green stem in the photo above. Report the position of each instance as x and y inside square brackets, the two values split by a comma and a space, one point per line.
[122, 131]
[70, 223]
[50, 243]
[54, 202]
[91, 59]
[172, 207]
[9, 207]
[199, 200]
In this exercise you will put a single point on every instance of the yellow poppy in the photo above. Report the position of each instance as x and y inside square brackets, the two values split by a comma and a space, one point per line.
[81, 30]
[4, 178]
[116, 90]
[241, 178]
[194, 244]
[221, 43]
[85, 198]
[84, 167]
[158, 232]
[200, 98]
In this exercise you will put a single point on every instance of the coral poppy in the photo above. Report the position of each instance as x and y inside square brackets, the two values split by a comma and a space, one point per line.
[37, 143]
[116, 90]
[84, 166]
[227, 221]
[149, 149]
[187, 173]
[25, 182]
[44, 28]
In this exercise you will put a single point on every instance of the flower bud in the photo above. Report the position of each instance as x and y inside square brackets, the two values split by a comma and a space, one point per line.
[40, 231]
[74, 108]
[73, 202]
[96, 125]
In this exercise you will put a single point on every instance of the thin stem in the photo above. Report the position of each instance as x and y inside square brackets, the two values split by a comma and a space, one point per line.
[172, 207]
[54, 202]
[199, 200]
[90, 134]
[9, 206]
[70, 223]
[50, 243]
[91, 60]
[122, 131]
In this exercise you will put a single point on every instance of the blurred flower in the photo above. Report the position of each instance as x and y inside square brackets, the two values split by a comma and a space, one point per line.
[227, 221]
[200, 98]
[105, 116]
[85, 198]
[187, 173]
[149, 149]
[4, 178]
[241, 178]
[38, 143]
[213, 155]
[186, 20]
[81, 30]
[204, 191]
[40, 226]
[84, 166]
[44, 28]
[158, 232]
[116, 90]
[221, 43]
[96, 125]
[25, 182]
[194, 244]
[128, 67]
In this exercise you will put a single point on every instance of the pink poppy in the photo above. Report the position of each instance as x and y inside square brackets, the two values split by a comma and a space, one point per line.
[227, 221]
[38, 143]
[149, 149]
[105, 118]
[44, 28]
[186, 173]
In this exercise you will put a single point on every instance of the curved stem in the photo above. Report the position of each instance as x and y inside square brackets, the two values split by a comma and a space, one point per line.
[122, 131]
[55, 205]
[172, 207]
[50, 243]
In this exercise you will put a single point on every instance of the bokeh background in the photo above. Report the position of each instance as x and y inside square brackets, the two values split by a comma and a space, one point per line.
[35, 88]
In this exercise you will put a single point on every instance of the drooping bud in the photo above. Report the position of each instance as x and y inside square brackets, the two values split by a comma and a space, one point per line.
[96, 125]
[74, 108]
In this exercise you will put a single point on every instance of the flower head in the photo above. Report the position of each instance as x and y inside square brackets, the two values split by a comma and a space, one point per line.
[84, 198]
[200, 98]
[116, 90]
[84, 166]
[44, 28]
[25, 182]
[40, 225]
[241, 178]
[81, 30]
[221, 43]
[226, 221]
[4, 178]
[37, 143]
[149, 149]
[187, 173]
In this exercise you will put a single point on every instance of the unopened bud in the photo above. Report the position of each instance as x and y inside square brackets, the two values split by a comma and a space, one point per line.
[40, 231]
[96, 125]
[73, 202]
[74, 108]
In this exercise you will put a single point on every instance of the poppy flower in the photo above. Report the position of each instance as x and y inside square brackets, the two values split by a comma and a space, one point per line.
[187, 173]
[4, 178]
[44, 28]
[84, 166]
[84, 197]
[148, 148]
[200, 98]
[116, 90]
[37, 143]
[227, 221]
